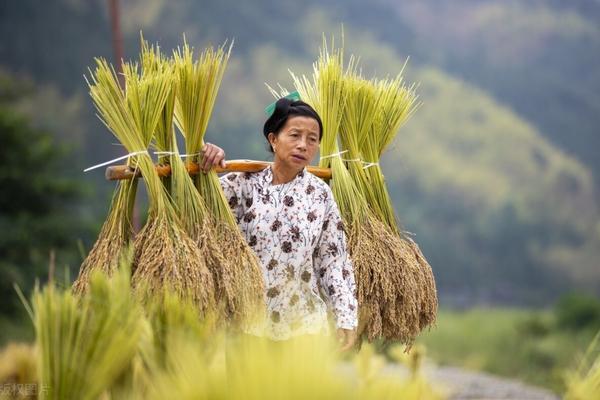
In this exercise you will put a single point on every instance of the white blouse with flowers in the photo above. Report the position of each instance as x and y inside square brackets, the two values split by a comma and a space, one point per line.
[296, 231]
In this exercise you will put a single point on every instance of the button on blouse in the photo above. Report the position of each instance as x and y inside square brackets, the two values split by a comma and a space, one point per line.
[296, 231]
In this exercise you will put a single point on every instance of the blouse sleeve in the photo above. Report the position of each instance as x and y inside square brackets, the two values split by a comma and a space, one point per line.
[336, 276]
[232, 187]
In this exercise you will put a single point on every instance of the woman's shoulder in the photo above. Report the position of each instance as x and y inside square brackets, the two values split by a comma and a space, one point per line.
[241, 182]
[319, 186]
[315, 180]
[240, 177]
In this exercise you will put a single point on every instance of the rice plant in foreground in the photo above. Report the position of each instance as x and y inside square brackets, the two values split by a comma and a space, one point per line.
[584, 382]
[109, 343]
[85, 342]
[256, 368]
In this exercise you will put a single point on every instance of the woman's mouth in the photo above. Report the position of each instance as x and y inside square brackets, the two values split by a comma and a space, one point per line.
[298, 157]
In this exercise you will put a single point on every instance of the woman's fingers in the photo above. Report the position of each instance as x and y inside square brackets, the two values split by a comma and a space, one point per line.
[347, 344]
[341, 336]
[211, 156]
[219, 158]
[207, 159]
[346, 338]
[204, 150]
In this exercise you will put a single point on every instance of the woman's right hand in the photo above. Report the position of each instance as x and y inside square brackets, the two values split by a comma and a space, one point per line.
[212, 155]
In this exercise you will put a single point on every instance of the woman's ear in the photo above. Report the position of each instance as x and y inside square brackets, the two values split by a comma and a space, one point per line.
[272, 139]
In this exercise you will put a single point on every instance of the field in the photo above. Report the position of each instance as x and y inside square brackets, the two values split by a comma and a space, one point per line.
[537, 347]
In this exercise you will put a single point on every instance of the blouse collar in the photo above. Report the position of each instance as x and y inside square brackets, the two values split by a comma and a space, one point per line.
[268, 176]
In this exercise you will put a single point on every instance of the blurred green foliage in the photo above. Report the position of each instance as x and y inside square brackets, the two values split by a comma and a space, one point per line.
[576, 312]
[39, 203]
[534, 346]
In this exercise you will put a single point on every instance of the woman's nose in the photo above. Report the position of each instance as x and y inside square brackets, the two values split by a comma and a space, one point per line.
[302, 144]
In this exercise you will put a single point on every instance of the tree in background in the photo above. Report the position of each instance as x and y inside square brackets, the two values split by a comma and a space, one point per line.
[38, 201]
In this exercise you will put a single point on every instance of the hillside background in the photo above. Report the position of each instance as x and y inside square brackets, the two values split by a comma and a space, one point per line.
[496, 175]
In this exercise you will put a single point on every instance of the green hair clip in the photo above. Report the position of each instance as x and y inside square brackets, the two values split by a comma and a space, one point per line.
[294, 96]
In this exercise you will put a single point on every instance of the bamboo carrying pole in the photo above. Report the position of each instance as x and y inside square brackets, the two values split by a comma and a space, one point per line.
[119, 172]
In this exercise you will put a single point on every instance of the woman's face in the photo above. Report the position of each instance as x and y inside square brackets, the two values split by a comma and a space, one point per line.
[297, 142]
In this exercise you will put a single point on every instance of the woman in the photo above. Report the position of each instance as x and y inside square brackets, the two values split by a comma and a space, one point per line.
[292, 223]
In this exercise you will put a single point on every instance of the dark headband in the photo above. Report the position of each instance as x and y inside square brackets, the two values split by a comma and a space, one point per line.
[285, 108]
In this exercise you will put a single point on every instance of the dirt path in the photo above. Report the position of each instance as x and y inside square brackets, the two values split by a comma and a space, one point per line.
[461, 384]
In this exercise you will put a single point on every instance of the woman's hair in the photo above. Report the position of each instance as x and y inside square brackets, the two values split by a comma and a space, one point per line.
[286, 108]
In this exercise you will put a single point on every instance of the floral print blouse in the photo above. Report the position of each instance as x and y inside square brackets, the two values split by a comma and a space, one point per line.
[296, 231]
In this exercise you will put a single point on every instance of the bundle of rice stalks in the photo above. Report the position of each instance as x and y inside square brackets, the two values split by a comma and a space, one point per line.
[236, 270]
[85, 343]
[165, 256]
[379, 275]
[394, 104]
[115, 235]
[190, 206]
[364, 112]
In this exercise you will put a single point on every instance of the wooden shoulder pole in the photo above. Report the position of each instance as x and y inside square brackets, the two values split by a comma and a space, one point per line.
[119, 172]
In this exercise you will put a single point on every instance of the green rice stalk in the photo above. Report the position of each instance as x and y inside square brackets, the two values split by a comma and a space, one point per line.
[198, 83]
[356, 123]
[202, 204]
[154, 62]
[169, 321]
[85, 342]
[234, 303]
[255, 368]
[584, 382]
[395, 103]
[164, 253]
[364, 111]
[325, 93]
